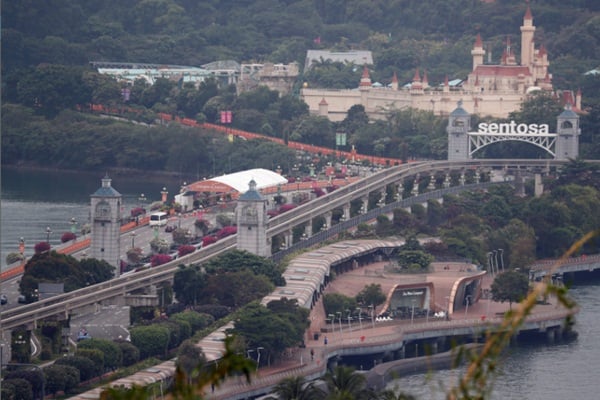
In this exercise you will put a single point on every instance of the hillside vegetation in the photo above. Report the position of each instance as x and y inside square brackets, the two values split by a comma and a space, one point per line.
[47, 47]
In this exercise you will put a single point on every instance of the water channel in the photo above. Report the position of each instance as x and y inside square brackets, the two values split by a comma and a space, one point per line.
[34, 200]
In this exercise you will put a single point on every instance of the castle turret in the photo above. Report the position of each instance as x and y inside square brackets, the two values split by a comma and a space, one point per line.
[365, 80]
[527, 35]
[478, 52]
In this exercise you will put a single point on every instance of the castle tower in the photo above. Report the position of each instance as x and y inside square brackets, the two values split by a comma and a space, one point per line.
[568, 131]
[251, 217]
[478, 52]
[527, 33]
[106, 224]
[365, 80]
[459, 123]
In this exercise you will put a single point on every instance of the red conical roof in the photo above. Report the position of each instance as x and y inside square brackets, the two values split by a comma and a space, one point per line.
[417, 77]
[528, 13]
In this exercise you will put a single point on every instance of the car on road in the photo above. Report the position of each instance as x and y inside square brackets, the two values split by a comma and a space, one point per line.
[22, 299]
[3, 299]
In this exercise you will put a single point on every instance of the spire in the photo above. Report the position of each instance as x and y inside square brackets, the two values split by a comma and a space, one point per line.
[478, 42]
[528, 16]
[417, 77]
[365, 80]
[542, 52]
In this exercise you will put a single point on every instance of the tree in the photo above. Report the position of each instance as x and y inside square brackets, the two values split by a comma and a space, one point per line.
[17, 388]
[337, 302]
[131, 354]
[189, 359]
[113, 358]
[261, 327]
[511, 286]
[60, 378]
[85, 366]
[344, 383]
[297, 388]
[240, 260]
[151, 340]
[371, 295]
[188, 282]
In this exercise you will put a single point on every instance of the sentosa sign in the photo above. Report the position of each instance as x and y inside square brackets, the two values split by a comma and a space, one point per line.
[512, 128]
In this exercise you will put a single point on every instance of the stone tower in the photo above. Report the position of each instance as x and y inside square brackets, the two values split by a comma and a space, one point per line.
[567, 131]
[527, 35]
[251, 217]
[459, 123]
[106, 224]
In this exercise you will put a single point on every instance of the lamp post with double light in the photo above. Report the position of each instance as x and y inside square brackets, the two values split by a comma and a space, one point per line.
[48, 233]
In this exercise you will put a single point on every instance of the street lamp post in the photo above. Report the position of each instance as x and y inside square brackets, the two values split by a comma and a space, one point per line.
[496, 260]
[349, 319]
[142, 200]
[490, 265]
[74, 227]
[501, 258]
[339, 315]
[372, 312]
[258, 349]
[48, 232]
[132, 234]
[22, 246]
[358, 310]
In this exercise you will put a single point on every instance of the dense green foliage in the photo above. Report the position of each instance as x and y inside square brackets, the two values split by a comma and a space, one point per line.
[52, 267]
[511, 286]
[43, 67]
[274, 328]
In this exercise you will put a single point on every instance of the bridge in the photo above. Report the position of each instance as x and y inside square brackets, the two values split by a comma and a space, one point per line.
[62, 306]
[558, 268]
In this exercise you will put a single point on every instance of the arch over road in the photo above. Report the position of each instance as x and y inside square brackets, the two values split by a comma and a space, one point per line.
[562, 145]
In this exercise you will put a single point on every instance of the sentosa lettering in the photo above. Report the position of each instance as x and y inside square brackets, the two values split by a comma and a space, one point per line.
[512, 128]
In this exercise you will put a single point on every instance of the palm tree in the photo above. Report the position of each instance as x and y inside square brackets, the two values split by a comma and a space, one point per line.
[344, 383]
[297, 388]
[391, 395]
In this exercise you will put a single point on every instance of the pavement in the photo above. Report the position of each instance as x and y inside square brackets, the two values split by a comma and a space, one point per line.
[298, 361]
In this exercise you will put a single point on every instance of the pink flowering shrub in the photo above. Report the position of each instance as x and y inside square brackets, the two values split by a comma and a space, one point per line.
[159, 259]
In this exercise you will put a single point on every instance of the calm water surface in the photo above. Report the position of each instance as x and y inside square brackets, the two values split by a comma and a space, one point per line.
[536, 371]
[32, 201]
[35, 200]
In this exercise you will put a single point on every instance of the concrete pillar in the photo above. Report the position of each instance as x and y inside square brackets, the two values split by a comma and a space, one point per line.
[308, 229]
[550, 335]
[477, 176]
[346, 210]
[462, 179]
[538, 185]
[289, 239]
[327, 217]
[365, 205]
